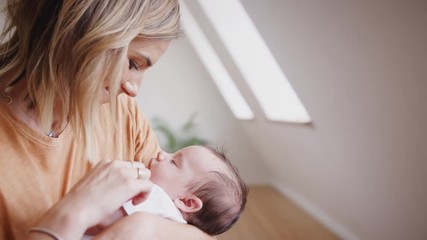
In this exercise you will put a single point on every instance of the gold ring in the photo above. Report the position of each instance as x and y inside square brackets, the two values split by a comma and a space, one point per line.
[140, 173]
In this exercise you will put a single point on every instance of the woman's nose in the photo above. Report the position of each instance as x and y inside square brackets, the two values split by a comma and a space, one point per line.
[131, 88]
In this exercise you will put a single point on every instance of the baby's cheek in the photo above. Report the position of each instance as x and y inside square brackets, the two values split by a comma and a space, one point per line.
[154, 178]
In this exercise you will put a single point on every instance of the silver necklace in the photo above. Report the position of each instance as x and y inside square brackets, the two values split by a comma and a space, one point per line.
[50, 134]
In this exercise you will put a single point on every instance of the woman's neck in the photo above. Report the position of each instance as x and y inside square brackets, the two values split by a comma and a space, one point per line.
[22, 107]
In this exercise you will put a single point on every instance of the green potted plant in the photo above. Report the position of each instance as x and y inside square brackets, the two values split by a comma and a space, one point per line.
[177, 139]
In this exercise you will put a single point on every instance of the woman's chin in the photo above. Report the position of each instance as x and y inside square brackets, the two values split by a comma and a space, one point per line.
[105, 100]
[105, 96]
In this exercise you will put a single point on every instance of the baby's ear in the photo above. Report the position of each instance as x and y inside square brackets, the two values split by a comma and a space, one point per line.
[189, 204]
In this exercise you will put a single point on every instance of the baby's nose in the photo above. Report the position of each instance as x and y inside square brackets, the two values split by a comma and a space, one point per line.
[163, 156]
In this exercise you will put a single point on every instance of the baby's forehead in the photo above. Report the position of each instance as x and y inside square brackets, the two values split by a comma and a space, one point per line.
[215, 163]
[205, 158]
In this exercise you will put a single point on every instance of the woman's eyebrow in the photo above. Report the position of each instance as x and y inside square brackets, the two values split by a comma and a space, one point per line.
[146, 58]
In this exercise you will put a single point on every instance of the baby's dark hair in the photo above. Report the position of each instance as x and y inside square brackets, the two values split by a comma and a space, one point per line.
[224, 196]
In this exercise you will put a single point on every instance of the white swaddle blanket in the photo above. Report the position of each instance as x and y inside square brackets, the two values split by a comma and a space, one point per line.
[158, 202]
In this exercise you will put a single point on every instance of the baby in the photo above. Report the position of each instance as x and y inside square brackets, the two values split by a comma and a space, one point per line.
[197, 185]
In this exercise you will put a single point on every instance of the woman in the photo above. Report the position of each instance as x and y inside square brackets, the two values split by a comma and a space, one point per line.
[65, 133]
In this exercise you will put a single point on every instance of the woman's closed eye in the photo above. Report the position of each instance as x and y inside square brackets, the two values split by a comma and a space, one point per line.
[173, 162]
[133, 65]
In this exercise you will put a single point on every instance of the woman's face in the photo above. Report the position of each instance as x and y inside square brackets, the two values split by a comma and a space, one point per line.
[142, 54]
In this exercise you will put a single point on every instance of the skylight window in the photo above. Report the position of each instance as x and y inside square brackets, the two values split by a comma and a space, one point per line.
[255, 61]
[214, 66]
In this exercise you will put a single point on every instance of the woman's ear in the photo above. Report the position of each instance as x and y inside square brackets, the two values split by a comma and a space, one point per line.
[189, 204]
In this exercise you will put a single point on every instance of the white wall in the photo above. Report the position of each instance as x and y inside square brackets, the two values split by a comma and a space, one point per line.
[360, 68]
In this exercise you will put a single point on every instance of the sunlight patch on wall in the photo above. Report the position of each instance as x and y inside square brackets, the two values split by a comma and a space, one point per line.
[255, 61]
[214, 66]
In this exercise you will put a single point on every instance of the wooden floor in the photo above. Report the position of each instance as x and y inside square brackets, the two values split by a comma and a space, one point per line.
[271, 216]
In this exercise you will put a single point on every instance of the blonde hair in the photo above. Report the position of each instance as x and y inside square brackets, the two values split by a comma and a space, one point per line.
[65, 51]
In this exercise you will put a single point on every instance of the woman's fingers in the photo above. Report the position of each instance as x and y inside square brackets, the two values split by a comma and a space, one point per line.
[142, 173]
[133, 175]
[110, 185]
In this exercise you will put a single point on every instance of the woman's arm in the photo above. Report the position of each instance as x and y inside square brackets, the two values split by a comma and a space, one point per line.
[148, 226]
[96, 196]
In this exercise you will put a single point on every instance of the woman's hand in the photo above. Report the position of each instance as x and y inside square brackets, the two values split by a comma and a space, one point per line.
[109, 185]
[97, 195]
[142, 225]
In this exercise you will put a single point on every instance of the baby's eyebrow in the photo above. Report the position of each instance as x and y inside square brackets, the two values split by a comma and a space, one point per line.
[178, 155]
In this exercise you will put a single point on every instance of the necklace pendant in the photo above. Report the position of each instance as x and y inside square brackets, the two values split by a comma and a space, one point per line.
[51, 134]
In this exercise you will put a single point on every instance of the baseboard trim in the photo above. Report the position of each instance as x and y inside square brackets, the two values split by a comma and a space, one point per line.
[316, 212]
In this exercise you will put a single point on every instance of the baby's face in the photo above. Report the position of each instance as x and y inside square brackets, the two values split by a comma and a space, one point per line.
[174, 172]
